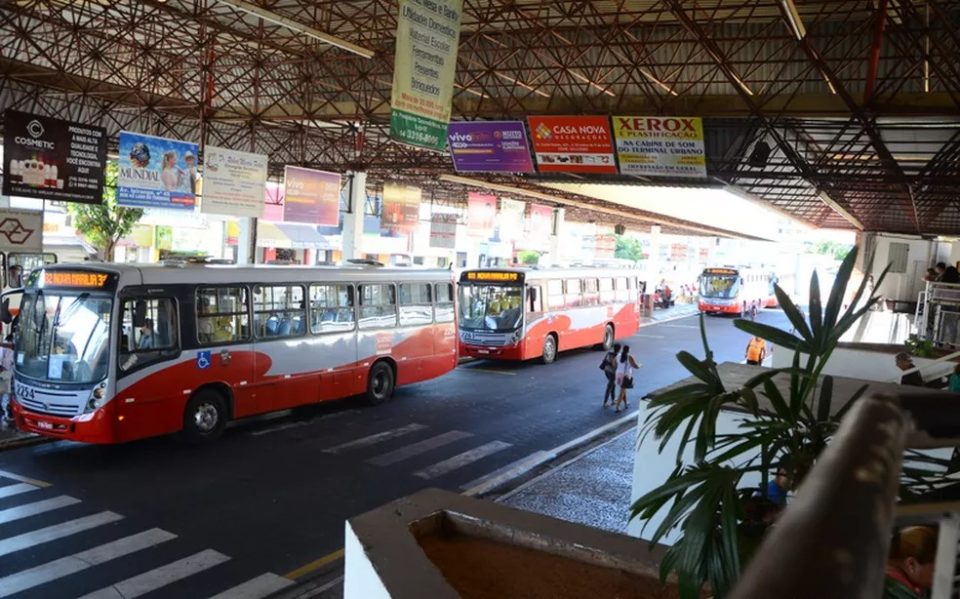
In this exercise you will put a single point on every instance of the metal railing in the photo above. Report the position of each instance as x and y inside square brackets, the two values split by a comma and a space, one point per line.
[832, 541]
[937, 316]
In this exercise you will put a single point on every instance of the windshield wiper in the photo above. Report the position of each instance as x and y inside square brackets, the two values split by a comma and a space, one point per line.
[76, 305]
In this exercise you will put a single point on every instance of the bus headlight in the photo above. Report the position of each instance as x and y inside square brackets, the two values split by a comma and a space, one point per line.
[98, 397]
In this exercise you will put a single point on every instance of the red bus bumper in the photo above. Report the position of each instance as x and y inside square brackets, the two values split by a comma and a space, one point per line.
[719, 309]
[483, 352]
[98, 427]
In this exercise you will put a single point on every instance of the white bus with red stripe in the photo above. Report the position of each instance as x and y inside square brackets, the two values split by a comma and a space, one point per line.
[735, 290]
[521, 314]
[112, 353]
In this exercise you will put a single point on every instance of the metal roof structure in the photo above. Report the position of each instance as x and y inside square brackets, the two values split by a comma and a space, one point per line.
[858, 100]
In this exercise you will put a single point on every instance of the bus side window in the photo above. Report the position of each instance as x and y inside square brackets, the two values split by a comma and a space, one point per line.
[378, 306]
[443, 306]
[621, 294]
[222, 315]
[279, 311]
[555, 293]
[606, 290]
[572, 295]
[149, 331]
[415, 304]
[591, 292]
[331, 308]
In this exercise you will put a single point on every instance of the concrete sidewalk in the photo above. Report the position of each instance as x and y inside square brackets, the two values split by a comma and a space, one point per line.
[667, 314]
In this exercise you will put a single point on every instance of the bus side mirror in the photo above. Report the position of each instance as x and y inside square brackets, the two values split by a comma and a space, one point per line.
[5, 317]
[139, 313]
[533, 294]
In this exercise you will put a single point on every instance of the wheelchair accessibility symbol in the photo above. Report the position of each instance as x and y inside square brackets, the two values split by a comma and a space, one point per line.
[203, 360]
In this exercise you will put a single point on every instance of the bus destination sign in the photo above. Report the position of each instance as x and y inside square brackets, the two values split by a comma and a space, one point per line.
[484, 275]
[76, 279]
[719, 271]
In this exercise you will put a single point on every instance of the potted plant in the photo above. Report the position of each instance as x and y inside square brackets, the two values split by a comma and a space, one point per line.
[720, 518]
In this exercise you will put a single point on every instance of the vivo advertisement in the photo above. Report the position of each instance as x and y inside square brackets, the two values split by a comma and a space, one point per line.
[489, 147]
[156, 172]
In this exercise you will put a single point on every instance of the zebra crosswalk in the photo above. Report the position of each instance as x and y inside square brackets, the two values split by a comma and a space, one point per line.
[75, 550]
[416, 441]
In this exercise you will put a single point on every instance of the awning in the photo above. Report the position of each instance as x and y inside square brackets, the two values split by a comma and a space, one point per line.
[293, 236]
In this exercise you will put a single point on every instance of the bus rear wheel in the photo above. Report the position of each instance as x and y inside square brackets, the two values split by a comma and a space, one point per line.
[549, 349]
[607, 343]
[380, 384]
[205, 417]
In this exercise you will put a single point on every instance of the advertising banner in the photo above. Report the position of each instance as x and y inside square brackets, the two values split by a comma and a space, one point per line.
[401, 208]
[310, 196]
[156, 172]
[428, 37]
[660, 146]
[481, 214]
[540, 219]
[573, 144]
[489, 147]
[233, 182]
[443, 231]
[21, 230]
[50, 159]
[511, 220]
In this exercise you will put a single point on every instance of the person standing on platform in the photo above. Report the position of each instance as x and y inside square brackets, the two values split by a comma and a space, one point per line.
[609, 367]
[756, 351]
[625, 368]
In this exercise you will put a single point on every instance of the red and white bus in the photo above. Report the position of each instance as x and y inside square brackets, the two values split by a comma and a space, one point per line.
[736, 291]
[112, 353]
[520, 314]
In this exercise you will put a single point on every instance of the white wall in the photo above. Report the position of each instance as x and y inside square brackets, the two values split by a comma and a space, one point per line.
[867, 365]
[922, 255]
[360, 579]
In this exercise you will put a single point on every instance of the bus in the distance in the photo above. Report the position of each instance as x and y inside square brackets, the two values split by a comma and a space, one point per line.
[735, 291]
[112, 353]
[521, 314]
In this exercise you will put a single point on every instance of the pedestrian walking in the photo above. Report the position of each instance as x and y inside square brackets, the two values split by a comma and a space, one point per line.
[625, 368]
[6, 378]
[756, 351]
[609, 367]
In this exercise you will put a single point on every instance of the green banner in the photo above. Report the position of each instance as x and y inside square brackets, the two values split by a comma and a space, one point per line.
[428, 34]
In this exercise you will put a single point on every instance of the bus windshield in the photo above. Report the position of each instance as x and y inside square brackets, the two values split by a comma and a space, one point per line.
[64, 338]
[719, 286]
[491, 307]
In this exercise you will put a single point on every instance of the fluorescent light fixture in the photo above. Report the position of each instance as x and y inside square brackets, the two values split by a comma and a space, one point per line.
[853, 220]
[316, 34]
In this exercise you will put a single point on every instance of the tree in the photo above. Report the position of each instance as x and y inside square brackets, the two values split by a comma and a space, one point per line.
[528, 257]
[103, 225]
[628, 248]
[837, 250]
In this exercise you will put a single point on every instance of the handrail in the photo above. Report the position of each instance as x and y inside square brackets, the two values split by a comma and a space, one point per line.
[832, 540]
[945, 358]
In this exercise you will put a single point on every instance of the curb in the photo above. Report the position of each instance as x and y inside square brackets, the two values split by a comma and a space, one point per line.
[668, 319]
[544, 458]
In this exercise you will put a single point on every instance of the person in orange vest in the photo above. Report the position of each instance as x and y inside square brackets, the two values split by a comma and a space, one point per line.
[756, 350]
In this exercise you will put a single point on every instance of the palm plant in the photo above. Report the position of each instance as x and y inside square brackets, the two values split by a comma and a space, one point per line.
[705, 496]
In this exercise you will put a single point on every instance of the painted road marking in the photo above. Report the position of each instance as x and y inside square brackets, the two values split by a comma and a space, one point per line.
[415, 449]
[58, 531]
[314, 565]
[50, 571]
[377, 438]
[489, 371]
[11, 490]
[37, 507]
[160, 577]
[24, 479]
[258, 587]
[462, 459]
[680, 326]
[650, 336]
[280, 427]
[508, 472]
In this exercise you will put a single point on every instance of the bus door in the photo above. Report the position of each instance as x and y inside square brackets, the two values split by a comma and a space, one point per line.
[150, 390]
[415, 341]
[534, 324]
[287, 371]
[333, 322]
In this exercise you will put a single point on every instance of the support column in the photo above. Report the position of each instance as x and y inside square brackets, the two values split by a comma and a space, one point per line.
[245, 241]
[556, 240]
[353, 218]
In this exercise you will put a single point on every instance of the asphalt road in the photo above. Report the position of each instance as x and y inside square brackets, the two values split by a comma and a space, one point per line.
[272, 495]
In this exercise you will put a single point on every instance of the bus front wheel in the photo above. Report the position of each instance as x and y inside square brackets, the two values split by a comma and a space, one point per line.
[205, 417]
[549, 349]
[380, 384]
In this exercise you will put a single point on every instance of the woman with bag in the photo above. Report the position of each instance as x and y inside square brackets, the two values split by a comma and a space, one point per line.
[625, 369]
